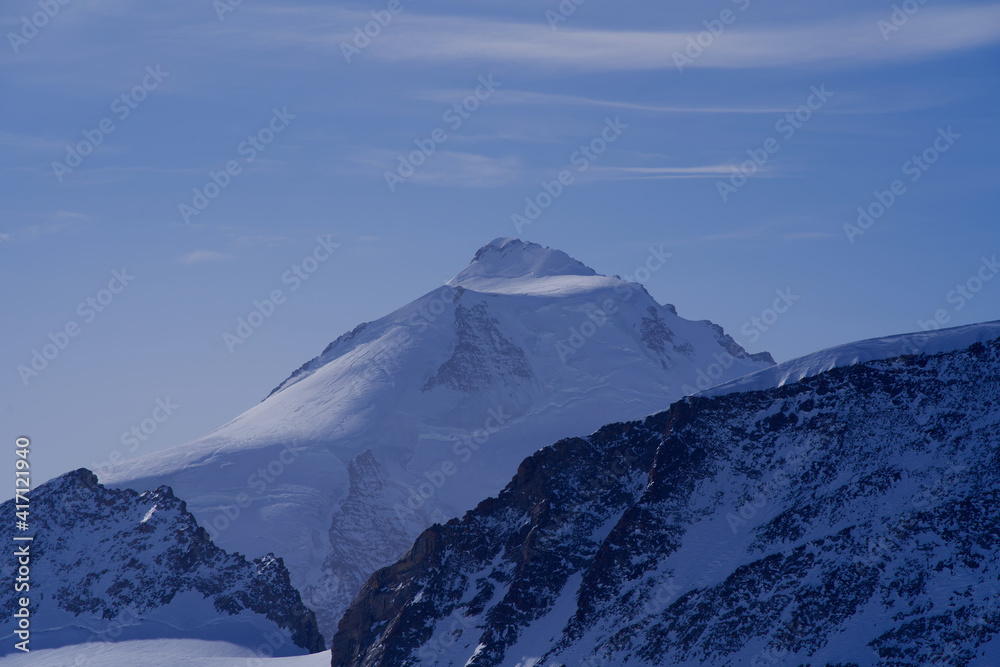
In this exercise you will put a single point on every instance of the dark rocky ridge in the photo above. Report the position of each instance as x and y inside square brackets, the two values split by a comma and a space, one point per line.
[847, 518]
[482, 354]
[525, 523]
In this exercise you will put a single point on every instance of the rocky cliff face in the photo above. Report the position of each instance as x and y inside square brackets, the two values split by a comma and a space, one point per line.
[116, 564]
[847, 518]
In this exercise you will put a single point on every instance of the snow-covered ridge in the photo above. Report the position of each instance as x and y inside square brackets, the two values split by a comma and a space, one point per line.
[926, 342]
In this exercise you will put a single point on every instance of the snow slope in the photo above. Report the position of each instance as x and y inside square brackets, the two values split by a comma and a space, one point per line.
[927, 342]
[847, 518]
[413, 418]
[160, 653]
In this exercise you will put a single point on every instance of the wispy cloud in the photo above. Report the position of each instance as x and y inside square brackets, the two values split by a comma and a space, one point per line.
[469, 170]
[202, 256]
[521, 97]
[796, 236]
[737, 234]
[29, 143]
[52, 222]
[933, 31]
[243, 239]
[443, 169]
[903, 99]
[311, 30]
[776, 229]
[653, 173]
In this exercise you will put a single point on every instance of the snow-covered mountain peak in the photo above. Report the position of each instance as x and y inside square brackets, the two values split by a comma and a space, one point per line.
[511, 265]
[410, 419]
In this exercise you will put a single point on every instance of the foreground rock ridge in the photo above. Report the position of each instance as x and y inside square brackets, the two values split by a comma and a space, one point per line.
[110, 565]
[849, 518]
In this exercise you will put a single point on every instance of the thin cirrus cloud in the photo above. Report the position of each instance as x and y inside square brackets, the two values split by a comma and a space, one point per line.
[202, 256]
[469, 170]
[530, 98]
[442, 169]
[29, 143]
[847, 42]
[788, 229]
[55, 222]
[748, 43]
[472, 170]
[662, 173]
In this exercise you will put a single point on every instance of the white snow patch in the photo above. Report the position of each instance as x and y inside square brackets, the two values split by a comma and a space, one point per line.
[158, 653]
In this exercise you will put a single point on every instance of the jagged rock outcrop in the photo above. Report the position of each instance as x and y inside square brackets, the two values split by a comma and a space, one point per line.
[140, 561]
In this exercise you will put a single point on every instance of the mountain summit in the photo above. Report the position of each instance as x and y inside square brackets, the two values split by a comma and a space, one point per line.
[412, 419]
[504, 261]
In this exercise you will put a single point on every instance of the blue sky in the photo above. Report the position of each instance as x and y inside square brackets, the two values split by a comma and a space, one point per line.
[196, 86]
